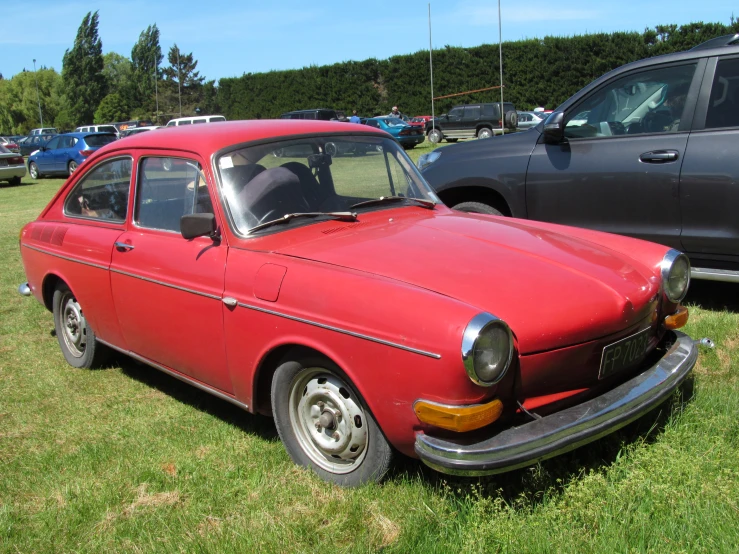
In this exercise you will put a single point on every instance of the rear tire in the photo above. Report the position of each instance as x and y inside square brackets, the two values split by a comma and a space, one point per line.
[452, 140]
[484, 133]
[33, 170]
[476, 208]
[76, 338]
[71, 167]
[15, 181]
[325, 425]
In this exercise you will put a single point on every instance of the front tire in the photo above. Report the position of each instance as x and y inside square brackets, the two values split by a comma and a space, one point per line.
[325, 425]
[33, 170]
[476, 208]
[76, 339]
[435, 136]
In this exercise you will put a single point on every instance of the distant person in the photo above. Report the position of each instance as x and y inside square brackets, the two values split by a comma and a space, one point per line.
[354, 118]
[395, 113]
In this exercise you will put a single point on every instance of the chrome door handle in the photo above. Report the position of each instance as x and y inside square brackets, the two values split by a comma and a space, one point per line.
[123, 246]
[659, 156]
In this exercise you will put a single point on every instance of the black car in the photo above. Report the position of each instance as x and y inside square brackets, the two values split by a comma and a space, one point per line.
[649, 150]
[324, 114]
[33, 143]
[472, 120]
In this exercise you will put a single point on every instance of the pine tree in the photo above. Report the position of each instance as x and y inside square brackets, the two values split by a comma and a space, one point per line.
[82, 72]
[146, 56]
[181, 78]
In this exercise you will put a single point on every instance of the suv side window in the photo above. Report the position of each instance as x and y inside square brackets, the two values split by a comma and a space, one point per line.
[723, 105]
[471, 112]
[168, 189]
[102, 193]
[651, 101]
[490, 111]
[456, 112]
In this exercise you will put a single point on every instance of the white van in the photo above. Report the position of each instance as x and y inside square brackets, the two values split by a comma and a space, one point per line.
[97, 129]
[197, 119]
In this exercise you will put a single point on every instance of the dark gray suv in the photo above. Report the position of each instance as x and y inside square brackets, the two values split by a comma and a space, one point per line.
[649, 150]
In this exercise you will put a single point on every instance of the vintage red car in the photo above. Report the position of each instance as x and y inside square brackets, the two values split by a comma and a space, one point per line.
[337, 294]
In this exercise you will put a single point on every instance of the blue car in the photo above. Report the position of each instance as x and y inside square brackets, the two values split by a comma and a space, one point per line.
[64, 153]
[407, 135]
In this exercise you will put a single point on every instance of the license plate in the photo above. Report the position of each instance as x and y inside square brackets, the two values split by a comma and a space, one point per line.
[624, 353]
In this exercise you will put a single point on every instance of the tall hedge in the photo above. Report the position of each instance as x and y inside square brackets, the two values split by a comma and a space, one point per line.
[536, 72]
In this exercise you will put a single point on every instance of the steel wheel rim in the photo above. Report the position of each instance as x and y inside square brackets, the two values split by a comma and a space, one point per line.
[318, 397]
[73, 326]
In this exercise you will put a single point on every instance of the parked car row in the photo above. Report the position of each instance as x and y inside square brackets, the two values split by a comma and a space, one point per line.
[12, 166]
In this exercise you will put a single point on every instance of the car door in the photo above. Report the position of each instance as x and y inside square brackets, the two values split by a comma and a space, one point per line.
[63, 153]
[454, 119]
[168, 290]
[709, 182]
[471, 118]
[619, 170]
[45, 158]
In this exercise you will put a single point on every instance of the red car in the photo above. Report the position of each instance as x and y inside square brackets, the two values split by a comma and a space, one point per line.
[337, 294]
[419, 121]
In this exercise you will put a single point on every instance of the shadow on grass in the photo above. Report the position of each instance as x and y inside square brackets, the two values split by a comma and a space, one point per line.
[527, 487]
[252, 424]
[713, 295]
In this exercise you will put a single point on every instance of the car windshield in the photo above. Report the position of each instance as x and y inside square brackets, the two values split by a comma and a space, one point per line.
[99, 140]
[394, 122]
[318, 175]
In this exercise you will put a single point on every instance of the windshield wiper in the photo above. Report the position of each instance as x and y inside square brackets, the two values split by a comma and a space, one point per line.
[421, 202]
[341, 216]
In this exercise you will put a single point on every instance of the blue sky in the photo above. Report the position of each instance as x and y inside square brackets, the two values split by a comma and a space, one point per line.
[229, 38]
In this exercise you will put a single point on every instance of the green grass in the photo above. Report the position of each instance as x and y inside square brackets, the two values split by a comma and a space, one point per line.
[126, 459]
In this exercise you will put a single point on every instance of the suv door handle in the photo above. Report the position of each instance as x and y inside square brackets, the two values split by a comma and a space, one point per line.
[659, 156]
[123, 246]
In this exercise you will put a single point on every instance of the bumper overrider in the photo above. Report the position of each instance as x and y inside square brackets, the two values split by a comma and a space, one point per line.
[567, 429]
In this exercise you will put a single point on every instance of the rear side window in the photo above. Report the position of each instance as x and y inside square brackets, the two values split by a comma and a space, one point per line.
[67, 142]
[198, 121]
[107, 129]
[102, 193]
[217, 119]
[723, 105]
[168, 189]
[491, 111]
[472, 112]
[184, 122]
[96, 141]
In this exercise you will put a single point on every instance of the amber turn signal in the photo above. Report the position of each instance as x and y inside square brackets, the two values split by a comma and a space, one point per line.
[678, 319]
[458, 418]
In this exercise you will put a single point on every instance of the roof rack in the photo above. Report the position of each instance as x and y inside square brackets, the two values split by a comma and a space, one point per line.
[718, 42]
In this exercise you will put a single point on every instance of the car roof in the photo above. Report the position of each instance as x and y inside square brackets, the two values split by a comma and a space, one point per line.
[212, 138]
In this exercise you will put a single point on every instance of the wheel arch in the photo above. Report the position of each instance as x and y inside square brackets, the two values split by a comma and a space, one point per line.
[452, 196]
[48, 286]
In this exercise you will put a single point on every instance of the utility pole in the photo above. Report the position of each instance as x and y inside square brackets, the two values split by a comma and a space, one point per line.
[179, 80]
[431, 68]
[38, 98]
[500, 53]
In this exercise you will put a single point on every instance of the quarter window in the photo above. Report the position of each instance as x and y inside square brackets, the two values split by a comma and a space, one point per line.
[723, 105]
[647, 102]
[168, 189]
[102, 193]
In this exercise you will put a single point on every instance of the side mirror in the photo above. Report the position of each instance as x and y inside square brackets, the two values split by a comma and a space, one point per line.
[554, 128]
[198, 225]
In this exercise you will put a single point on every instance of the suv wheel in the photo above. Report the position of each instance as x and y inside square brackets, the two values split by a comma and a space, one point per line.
[484, 133]
[435, 136]
[476, 208]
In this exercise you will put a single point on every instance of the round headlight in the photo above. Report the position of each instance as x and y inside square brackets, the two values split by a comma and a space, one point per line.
[675, 275]
[487, 349]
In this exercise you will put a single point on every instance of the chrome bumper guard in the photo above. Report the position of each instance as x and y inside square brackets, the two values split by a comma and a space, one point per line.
[24, 289]
[568, 429]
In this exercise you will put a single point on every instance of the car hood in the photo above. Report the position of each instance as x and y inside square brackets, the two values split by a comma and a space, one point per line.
[554, 290]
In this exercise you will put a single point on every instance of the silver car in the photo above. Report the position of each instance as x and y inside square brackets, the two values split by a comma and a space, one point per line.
[526, 120]
[12, 167]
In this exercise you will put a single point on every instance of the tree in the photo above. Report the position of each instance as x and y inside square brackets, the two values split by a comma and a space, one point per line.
[82, 72]
[112, 108]
[181, 79]
[146, 56]
[19, 105]
[118, 72]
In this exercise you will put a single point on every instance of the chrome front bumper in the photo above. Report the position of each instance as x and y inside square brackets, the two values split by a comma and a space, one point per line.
[567, 429]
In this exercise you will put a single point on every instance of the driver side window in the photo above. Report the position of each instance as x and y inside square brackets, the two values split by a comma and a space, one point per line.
[648, 102]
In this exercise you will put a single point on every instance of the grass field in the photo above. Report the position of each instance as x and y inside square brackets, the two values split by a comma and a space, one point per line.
[126, 459]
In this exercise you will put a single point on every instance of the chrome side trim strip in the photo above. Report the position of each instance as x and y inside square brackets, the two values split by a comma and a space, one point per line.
[170, 285]
[714, 274]
[342, 331]
[65, 257]
[188, 380]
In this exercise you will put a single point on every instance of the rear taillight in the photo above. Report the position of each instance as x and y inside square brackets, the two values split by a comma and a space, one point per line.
[15, 160]
[86, 153]
[405, 132]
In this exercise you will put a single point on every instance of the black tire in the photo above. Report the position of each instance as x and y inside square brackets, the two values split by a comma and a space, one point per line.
[511, 119]
[15, 181]
[452, 140]
[33, 170]
[476, 208]
[485, 133]
[71, 167]
[311, 391]
[76, 338]
[435, 136]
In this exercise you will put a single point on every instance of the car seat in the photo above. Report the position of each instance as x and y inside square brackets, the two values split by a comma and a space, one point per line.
[270, 195]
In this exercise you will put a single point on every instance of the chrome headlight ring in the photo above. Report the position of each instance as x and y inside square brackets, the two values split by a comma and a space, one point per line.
[477, 328]
[675, 273]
